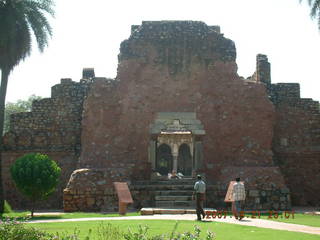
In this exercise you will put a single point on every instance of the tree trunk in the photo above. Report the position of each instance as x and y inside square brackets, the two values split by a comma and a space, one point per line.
[3, 91]
[32, 207]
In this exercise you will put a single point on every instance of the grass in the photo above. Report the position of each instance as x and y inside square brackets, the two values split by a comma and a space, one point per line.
[223, 231]
[296, 218]
[23, 215]
[299, 218]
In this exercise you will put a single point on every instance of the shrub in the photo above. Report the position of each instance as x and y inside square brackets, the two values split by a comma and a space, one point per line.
[142, 235]
[109, 232]
[7, 208]
[36, 176]
[12, 230]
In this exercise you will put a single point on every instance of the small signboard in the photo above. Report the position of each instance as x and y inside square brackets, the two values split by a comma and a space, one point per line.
[124, 196]
[229, 197]
[123, 192]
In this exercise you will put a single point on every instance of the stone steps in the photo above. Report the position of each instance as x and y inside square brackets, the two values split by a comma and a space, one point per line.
[173, 198]
[171, 193]
[175, 204]
[165, 187]
[174, 193]
[183, 181]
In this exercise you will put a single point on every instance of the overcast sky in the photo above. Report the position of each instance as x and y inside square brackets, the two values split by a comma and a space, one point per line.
[89, 33]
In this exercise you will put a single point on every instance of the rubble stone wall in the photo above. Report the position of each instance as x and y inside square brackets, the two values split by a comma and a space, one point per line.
[296, 141]
[52, 127]
[297, 148]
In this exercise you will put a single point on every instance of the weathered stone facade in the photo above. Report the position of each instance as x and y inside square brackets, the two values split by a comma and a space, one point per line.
[177, 103]
[52, 127]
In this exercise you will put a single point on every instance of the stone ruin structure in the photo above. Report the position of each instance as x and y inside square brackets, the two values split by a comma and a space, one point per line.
[177, 103]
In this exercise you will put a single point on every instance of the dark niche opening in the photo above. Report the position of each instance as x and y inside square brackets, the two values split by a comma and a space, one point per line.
[164, 159]
[184, 160]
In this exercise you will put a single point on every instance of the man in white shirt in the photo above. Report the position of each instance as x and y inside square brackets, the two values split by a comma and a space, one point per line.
[239, 195]
[199, 194]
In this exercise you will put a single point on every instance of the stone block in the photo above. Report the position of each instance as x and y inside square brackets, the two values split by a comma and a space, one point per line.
[253, 193]
[146, 211]
[90, 201]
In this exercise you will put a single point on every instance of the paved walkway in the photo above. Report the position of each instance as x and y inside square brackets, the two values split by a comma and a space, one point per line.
[191, 217]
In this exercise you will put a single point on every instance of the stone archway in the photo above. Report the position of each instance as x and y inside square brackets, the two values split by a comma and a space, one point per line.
[185, 160]
[182, 132]
[164, 159]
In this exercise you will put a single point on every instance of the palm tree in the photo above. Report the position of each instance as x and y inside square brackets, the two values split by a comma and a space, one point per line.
[18, 20]
[315, 10]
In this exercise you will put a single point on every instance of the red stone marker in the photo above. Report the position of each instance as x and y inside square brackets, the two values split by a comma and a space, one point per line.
[124, 196]
[229, 197]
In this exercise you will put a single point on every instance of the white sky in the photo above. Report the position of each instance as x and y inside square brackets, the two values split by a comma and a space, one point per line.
[89, 33]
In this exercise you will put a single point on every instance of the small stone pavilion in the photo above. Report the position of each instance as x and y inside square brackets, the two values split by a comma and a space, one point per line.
[177, 104]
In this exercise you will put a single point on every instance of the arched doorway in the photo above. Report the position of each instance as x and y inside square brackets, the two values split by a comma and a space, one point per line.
[164, 159]
[185, 160]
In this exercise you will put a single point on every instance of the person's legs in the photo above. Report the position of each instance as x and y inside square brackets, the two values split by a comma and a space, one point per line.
[200, 211]
[234, 210]
[198, 206]
[238, 209]
[201, 208]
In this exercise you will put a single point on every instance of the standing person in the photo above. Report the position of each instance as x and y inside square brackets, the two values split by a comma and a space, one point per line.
[239, 195]
[199, 194]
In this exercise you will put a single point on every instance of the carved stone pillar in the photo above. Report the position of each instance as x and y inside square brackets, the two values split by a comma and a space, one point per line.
[152, 153]
[198, 155]
[175, 152]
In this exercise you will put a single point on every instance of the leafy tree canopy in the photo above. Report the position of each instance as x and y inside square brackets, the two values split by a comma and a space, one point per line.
[16, 107]
[35, 175]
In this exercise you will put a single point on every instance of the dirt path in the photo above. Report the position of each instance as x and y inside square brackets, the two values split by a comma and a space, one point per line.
[191, 217]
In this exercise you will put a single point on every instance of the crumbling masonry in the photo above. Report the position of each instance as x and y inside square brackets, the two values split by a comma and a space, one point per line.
[177, 103]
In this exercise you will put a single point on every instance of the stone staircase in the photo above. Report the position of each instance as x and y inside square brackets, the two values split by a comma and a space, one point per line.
[171, 193]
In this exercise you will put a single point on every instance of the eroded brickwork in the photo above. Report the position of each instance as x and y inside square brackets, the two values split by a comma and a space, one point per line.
[52, 127]
[181, 67]
[296, 142]
[263, 132]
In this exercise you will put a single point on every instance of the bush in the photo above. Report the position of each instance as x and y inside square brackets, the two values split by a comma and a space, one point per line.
[7, 208]
[12, 230]
[142, 235]
[36, 176]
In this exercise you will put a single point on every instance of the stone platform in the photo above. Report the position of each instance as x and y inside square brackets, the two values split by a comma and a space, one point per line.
[152, 211]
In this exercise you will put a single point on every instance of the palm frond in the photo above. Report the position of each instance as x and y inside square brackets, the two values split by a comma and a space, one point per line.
[42, 5]
[40, 27]
[18, 19]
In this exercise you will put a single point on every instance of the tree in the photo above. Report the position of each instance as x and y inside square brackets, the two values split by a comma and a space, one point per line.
[18, 19]
[36, 176]
[16, 107]
[315, 10]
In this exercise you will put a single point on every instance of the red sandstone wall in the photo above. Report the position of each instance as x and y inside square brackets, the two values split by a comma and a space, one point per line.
[237, 115]
[298, 121]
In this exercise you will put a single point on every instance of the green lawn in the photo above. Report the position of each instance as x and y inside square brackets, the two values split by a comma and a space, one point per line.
[223, 231]
[299, 218]
[296, 218]
[22, 215]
